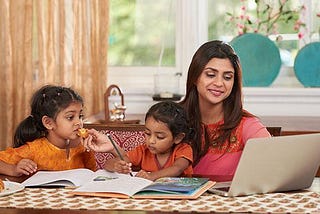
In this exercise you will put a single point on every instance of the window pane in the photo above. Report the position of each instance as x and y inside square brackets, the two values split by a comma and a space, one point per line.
[142, 33]
[221, 27]
[316, 20]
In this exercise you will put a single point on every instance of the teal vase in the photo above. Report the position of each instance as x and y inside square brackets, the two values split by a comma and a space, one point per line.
[259, 57]
[307, 65]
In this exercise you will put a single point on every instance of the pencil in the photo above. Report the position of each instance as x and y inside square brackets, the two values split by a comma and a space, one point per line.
[117, 150]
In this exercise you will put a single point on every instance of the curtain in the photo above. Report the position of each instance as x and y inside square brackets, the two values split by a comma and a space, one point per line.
[50, 42]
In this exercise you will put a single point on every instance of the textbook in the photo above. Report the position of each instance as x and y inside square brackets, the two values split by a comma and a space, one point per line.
[126, 186]
[109, 184]
[64, 178]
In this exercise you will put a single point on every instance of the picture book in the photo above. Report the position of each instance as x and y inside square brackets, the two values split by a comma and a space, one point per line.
[125, 186]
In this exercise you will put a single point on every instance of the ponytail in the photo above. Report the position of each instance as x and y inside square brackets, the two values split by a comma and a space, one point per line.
[27, 131]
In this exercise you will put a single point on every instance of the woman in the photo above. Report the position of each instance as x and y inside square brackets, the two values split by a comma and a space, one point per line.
[213, 103]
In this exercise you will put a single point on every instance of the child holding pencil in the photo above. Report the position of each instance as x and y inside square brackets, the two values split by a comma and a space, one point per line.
[166, 152]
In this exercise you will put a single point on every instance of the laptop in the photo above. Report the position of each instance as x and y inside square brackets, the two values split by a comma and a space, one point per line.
[275, 164]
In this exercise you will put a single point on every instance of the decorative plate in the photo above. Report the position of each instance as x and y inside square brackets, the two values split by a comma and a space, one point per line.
[259, 58]
[11, 187]
[307, 65]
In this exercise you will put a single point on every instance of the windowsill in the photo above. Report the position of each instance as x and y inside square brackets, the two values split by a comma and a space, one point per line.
[285, 97]
[259, 101]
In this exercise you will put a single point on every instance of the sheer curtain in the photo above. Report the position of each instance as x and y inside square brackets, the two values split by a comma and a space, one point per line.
[50, 42]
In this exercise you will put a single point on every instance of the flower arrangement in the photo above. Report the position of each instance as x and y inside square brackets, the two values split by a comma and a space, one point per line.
[266, 17]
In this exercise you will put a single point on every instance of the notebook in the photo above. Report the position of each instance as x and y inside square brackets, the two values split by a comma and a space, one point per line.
[276, 164]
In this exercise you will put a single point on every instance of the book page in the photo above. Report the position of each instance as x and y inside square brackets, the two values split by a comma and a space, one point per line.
[108, 182]
[73, 177]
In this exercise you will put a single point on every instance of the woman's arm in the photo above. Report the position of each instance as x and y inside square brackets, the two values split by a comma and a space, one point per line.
[253, 128]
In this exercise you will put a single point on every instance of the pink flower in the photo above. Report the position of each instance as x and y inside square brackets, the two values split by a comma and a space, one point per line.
[318, 14]
[300, 35]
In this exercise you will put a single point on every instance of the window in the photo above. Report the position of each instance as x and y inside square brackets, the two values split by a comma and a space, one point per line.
[142, 33]
[148, 37]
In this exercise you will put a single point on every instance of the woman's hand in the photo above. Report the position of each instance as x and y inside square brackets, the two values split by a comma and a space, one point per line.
[97, 142]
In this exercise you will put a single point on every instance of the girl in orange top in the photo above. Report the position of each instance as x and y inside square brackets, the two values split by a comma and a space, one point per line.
[165, 152]
[48, 138]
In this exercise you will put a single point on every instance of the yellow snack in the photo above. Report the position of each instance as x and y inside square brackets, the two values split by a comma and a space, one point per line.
[82, 132]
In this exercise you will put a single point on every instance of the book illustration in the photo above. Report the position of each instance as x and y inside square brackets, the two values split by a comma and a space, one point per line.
[104, 178]
[176, 184]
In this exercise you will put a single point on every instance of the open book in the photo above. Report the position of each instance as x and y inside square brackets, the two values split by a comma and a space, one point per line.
[107, 184]
[65, 178]
[125, 186]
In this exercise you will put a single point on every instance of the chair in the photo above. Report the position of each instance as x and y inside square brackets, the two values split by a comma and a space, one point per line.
[127, 136]
[274, 130]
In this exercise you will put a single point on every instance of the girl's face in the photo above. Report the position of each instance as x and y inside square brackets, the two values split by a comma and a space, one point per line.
[159, 139]
[216, 81]
[67, 123]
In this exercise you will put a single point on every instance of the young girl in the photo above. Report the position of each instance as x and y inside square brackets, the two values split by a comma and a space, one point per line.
[165, 152]
[48, 138]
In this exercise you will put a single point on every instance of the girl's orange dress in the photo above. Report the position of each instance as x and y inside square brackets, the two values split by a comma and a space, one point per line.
[49, 157]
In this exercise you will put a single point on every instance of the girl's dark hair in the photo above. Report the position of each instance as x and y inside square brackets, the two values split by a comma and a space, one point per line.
[233, 109]
[173, 115]
[47, 101]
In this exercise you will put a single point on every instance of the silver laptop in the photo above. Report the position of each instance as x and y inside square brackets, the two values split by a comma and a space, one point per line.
[276, 164]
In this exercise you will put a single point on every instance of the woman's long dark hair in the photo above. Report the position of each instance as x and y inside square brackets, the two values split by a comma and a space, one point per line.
[232, 106]
[47, 101]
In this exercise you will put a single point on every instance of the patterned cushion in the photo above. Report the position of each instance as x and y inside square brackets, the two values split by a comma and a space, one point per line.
[126, 139]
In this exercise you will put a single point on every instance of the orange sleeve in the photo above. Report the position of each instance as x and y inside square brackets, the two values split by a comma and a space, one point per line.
[90, 161]
[136, 155]
[14, 155]
[184, 150]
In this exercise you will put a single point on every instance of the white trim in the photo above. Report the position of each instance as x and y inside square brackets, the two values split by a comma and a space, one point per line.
[259, 101]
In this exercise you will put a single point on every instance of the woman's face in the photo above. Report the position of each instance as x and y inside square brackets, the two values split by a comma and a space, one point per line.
[216, 81]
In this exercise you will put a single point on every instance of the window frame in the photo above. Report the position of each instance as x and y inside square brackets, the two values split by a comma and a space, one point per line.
[191, 32]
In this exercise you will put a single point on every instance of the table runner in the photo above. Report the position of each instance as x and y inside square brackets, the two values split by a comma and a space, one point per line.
[40, 198]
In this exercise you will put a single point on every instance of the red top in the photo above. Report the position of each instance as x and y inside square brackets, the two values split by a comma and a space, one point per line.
[222, 162]
[142, 157]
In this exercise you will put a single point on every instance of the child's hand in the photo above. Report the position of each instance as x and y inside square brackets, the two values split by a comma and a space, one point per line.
[145, 174]
[25, 167]
[121, 166]
[97, 142]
